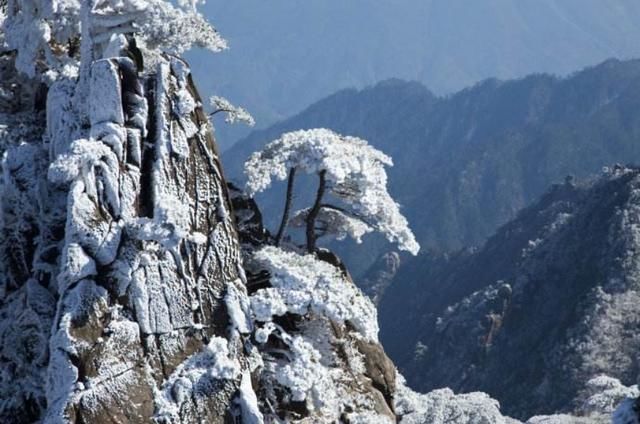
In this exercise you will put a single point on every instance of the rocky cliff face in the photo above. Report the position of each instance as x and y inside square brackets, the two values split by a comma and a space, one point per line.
[544, 306]
[137, 286]
[120, 256]
[124, 295]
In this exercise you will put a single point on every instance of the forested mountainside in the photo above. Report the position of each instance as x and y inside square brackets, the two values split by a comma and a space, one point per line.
[297, 53]
[467, 163]
[549, 302]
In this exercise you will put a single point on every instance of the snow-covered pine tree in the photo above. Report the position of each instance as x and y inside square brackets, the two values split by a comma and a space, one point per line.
[231, 112]
[350, 172]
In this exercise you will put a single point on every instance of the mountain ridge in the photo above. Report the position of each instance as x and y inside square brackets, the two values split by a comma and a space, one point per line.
[296, 54]
[466, 163]
[545, 304]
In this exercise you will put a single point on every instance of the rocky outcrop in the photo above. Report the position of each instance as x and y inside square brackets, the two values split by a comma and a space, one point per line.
[119, 251]
[124, 296]
[317, 366]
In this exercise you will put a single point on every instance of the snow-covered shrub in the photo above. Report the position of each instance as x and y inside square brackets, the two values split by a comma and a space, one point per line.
[303, 284]
[605, 394]
[444, 407]
[232, 113]
[47, 33]
[317, 360]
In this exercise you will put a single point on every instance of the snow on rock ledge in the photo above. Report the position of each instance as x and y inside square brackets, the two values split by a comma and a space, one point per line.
[303, 284]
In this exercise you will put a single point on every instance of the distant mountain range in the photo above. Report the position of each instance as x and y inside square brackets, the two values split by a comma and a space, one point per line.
[286, 54]
[467, 163]
[549, 302]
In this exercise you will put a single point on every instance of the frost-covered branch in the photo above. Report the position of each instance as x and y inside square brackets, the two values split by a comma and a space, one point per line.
[45, 33]
[233, 113]
[334, 222]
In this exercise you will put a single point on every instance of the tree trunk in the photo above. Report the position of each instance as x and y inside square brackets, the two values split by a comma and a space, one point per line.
[287, 207]
[313, 213]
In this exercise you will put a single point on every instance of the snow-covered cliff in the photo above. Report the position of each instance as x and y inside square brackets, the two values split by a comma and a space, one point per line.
[135, 285]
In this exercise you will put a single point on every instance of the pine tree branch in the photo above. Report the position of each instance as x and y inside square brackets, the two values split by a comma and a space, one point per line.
[347, 212]
[220, 110]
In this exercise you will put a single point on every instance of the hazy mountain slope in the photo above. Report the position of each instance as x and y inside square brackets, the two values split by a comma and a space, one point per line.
[465, 164]
[285, 55]
[548, 303]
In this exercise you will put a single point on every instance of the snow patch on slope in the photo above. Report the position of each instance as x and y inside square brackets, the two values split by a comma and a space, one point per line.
[303, 283]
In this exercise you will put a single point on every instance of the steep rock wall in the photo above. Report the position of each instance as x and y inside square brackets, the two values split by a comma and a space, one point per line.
[121, 245]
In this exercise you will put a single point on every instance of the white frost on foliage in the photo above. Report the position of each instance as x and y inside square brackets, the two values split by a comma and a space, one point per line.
[354, 173]
[83, 157]
[311, 373]
[321, 368]
[42, 31]
[444, 407]
[177, 29]
[232, 113]
[262, 334]
[312, 151]
[303, 283]
[333, 223]
[605, 394]
[321, 363]
[303, 375]
[39, 31]
[158, 23]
